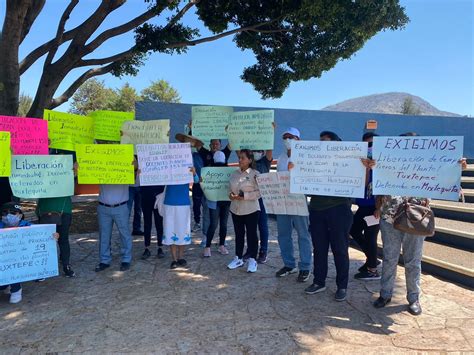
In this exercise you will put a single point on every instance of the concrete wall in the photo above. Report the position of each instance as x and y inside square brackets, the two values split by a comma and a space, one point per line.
[348, 125]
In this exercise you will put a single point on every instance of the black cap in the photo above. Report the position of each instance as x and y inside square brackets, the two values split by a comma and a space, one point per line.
[11, 207]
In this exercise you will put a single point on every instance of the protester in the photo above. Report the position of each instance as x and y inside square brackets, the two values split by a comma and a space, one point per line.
[286, 223]
[148, 197]
[361, 232]
[135, 203]
[12, 217]
[197, 194]
[244, 195]
[330, 222]
[177, 220]
[218, 213]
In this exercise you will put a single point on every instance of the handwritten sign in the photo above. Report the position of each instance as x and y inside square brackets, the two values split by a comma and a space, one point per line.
[328, 168]
[5, 154]
[107, 124]
[164, 164]
[145, 132]
[38, 176]
[109, 164]
[275, 191]
[65, 130]
[210, 122]
[27, 253]
[28, 135]
[418, 166]
[215, 182]
[251, 130]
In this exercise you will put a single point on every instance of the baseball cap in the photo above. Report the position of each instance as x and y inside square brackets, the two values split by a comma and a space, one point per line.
[11, 207]
[293, 131]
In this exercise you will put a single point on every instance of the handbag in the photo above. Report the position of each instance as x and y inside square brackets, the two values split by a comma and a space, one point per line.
[414, 219]
[52, 217]
[159, 202]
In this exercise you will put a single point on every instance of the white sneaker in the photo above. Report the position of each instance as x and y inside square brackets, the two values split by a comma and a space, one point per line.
[15, 297]
[235, 263]
[252, 265]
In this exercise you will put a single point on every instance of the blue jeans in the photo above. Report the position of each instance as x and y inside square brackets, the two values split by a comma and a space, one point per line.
[219, 215]
[107, 216]
[263, 227]
[285, 225]
[135, 201]
[393, 242]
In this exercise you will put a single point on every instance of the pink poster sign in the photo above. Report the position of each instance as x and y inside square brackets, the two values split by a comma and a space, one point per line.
[29, 136]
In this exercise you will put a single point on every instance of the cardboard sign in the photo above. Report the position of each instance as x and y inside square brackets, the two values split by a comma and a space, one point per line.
[107, 124]
[145, 132]
[109, 164]
[215, 182]
[5, 154]
[65, 130]
[328, 168]
[38, 176]
[27, 253]
[28, 135]
[422, 166]
[251, 130]
[164, 164]
[275, 191]
[210, 122]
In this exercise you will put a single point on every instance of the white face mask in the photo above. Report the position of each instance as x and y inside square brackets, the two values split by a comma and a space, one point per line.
[258, 155]
[11, 220]
[287, 143]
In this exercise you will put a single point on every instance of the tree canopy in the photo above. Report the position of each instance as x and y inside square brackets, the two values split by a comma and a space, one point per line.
[292, 40]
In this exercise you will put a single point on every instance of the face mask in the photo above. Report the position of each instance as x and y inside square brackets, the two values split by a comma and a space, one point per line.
[258, 155]
[287, 143]
[11, 220]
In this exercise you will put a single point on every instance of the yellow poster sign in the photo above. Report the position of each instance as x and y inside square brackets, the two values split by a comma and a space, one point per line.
[109, 164]
[65, 130]
[5, 154]
[107, 124]
[146, 132]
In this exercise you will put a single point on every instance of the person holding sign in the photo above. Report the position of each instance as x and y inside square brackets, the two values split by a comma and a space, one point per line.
[12, 217]
[244, 195]
[330, 223]
[286, 223]
[177, 220]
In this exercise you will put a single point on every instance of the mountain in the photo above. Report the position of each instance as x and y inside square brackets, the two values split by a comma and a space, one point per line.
[390, 102]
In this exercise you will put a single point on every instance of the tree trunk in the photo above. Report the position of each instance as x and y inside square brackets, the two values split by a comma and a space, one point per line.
[16, 11]
[49, 83]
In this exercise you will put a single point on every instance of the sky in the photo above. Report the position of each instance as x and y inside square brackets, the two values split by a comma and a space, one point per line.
[431, 58]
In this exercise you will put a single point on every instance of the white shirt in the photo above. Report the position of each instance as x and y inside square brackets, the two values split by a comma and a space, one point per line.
[283, 161]
[113, 194]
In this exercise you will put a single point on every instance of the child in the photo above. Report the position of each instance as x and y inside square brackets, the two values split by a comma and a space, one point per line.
[12, 217]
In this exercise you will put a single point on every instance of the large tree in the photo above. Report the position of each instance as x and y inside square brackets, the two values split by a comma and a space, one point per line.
[292, 40]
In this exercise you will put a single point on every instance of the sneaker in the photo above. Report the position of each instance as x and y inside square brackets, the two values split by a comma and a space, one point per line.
[246, 256]
[160, 254]
[124, 266]
[381, 302]
[138, 232]
[303, 276]
[223, 250]
[182, 262]
[252, 265]
[15, 297]
[101, 267]
[415, 308]
[196, 227]
[284, 271]
[174, 265]
[68, 271]
[341, 294]
[146, 254]
[367, 275]
[207, 252]
[314, 288]
[262, 258]
[364, 266]
[235, 263]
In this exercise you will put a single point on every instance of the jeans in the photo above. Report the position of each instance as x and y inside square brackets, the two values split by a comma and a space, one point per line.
[149, 194]
[107, 216]
[63, 241]
[246, 225]
[206, 220]
[366, 236]
[218, 215]
[394, 241]
[331, 227]
[197, 202]
[285, 225]
[135, 201]
[263, 227]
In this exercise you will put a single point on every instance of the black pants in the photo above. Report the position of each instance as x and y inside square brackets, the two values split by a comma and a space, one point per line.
[331, 227]
[149, 212]
[366, 236]
[63, 241]
[219, 215]
[197, 201]
[246, 225]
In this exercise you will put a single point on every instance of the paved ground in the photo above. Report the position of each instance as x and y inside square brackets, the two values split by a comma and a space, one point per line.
[208, 309]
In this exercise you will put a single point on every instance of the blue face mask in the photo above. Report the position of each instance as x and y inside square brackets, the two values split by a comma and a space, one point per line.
[11, 220]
